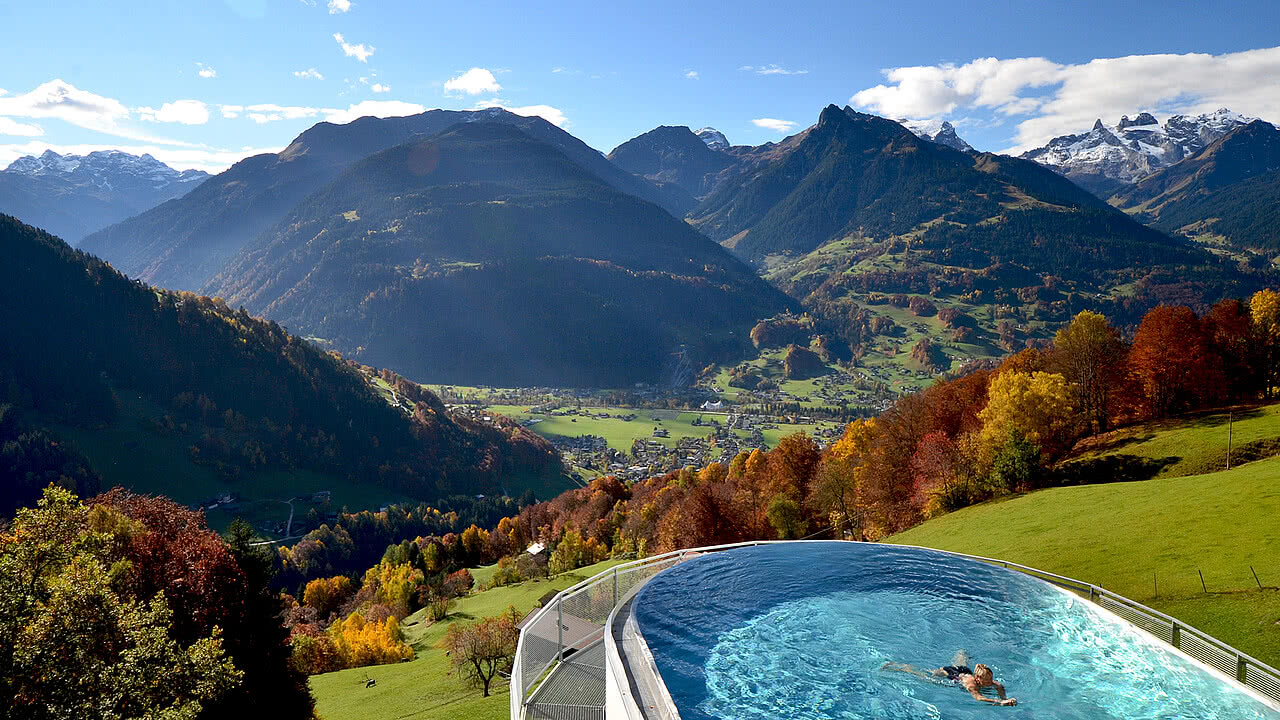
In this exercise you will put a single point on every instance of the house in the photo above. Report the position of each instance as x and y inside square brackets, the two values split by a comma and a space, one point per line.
[536, 548]
[717, 405]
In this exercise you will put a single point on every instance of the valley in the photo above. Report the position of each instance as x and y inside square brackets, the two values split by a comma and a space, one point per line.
[312, 399]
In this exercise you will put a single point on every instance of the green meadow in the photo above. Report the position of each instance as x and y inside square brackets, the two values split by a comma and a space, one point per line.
[1149, 540]
[424, 688]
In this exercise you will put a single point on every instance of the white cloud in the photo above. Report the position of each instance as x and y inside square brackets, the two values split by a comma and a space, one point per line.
[209, 160]
[231, 111]
[359, 52]
[380, 88]
[339, 6]
[772, 70]
[473, 82]
[376, 108]
[555, 116]
[13, 127]
[186, 112]
[691, 74]
[310, 73]
[1067, 98]
[774, 124]
[206, 71]
[263, 113]
[61, 100]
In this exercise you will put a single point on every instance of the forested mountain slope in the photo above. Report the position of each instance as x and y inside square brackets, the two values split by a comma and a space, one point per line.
[918, 254]
[484, 255]
[80, 337]
[1229, 190]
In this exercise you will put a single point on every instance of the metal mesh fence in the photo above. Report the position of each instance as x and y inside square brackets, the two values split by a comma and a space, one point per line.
[550, 711]
[568, 631]
[1159, 627]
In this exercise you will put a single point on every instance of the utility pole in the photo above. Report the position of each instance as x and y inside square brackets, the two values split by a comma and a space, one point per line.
[1229, 428]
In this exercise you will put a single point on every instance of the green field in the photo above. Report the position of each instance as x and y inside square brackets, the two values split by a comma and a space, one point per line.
[1138, 538]
[423, 688]
[1182, 446]
[620, 434]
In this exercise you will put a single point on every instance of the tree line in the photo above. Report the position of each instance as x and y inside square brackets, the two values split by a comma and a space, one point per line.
[986, 432]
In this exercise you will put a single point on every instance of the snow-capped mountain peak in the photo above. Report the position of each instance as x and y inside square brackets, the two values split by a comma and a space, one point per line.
[1110, 156]
[104, 168]
[938, 131]
[713, 138]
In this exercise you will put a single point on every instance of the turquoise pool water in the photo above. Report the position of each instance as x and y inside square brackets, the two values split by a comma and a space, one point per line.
[802, 630]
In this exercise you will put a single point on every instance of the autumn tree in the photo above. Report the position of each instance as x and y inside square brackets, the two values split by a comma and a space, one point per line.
[1240, 346]
[74, 645]
[1264, 308]
[1172, 360]
[479, 650]
[327, 594]
[835, 490]
[1037, 405]
[939, 485]
[1090, 355]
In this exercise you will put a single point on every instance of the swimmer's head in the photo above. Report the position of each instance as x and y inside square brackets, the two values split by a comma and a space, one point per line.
[983, 674]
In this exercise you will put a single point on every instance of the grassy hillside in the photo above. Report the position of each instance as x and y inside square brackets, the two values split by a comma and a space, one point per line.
[1128, 537]
[1184, 446]
[423, 687]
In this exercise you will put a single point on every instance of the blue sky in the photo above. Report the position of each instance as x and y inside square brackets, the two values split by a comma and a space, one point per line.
[201, 84]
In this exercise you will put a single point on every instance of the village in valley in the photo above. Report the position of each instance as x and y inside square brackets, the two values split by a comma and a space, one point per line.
[634, 443]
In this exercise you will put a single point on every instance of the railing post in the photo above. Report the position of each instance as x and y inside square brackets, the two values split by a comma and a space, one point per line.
[1176, 640]
[1242, 669]
[615, 587]
[560, 630]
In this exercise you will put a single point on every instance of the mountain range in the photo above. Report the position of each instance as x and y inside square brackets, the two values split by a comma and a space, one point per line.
[485, 255]
[182, 245]
[1107, 158]
[72, 196]
[1229, 190]
[485, 247]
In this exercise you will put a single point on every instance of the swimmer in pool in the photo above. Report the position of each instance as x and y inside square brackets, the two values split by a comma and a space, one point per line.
[958, 672]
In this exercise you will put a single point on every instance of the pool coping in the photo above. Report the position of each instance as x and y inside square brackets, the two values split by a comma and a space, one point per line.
[663, 706]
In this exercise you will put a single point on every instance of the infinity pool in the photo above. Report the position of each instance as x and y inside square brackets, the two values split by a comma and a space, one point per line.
[802, 630]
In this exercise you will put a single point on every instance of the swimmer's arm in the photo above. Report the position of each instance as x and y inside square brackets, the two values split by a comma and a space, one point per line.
[982, 698]
[999, 689]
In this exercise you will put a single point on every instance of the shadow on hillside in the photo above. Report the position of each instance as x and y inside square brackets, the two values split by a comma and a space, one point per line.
[1111, 468]
[1118, 438]
[1104, 444]
[1219, 417]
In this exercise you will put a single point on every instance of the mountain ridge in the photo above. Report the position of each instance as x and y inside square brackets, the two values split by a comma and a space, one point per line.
[1106, 159]
[456, 225]
[183, 244]
[76, 195]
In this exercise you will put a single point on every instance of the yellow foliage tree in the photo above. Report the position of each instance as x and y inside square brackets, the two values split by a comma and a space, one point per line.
[395, 585]
[359, 642]
[838, 488]
[326, 594]
[1036, 404]
[1264, 308]
[474, 540]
